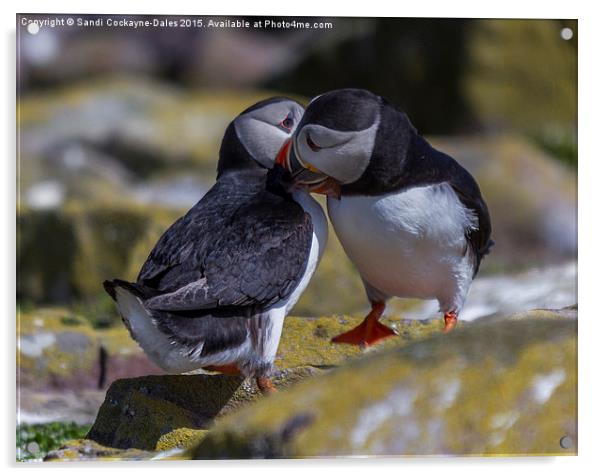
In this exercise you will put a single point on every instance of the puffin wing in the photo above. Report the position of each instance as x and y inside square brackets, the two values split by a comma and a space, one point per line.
[468, 193]
[432, 166]
[243, 247]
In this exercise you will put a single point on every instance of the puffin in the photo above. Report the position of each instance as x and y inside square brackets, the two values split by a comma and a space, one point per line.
[411, 218]
[216, 287]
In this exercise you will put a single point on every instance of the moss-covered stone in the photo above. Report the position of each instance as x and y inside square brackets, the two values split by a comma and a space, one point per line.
[78, 450]
[569, 312]
[180, 438]
[306, 340]
[162, 412]
[58, 348]
[501, 388]
[93, 242]
[45, 266]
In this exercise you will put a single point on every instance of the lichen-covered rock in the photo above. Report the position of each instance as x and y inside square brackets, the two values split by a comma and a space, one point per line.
[90, 243]
[507, 387]
[79, 450]
[58, 349]
[498, 296]
[151, 412]
[306, 340]
[568, 312]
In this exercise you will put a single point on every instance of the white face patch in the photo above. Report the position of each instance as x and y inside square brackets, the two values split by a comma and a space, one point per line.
[260, 130]
[343, 155]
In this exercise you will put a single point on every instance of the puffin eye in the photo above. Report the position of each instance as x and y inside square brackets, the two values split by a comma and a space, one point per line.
[312, 145]
[287, 123]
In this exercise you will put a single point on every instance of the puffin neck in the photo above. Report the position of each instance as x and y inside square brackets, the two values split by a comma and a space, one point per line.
[233, 155]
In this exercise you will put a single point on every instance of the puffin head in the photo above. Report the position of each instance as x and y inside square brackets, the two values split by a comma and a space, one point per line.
[348, 141]
[254, 137]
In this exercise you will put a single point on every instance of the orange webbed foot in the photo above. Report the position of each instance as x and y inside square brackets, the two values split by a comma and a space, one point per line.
[265, 385]
[363, 336]
[369, 332]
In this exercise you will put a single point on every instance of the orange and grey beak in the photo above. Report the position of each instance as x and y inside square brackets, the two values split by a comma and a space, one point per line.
[282, 157]
[305, 175]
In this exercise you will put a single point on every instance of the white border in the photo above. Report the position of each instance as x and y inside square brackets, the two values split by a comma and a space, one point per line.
[590, 81]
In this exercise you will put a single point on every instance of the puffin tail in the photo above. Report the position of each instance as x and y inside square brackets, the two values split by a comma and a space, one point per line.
[140, 322]
[137, 290]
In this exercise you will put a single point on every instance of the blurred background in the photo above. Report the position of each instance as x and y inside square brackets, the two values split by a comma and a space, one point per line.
[119, 131]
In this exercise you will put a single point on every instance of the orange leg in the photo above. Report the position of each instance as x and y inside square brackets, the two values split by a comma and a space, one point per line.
[227, 369]
[265, 385]
[369, 331]
[451, 319]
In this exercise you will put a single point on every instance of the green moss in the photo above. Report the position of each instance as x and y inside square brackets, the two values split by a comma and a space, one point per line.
[34, 441]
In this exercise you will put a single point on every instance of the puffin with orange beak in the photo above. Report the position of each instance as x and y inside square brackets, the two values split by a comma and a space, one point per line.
[411, 219]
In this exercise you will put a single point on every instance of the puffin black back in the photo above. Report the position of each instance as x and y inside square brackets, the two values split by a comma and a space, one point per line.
[279, 181]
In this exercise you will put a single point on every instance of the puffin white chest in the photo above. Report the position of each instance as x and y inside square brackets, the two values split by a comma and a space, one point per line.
[318, 242]
[409, 243]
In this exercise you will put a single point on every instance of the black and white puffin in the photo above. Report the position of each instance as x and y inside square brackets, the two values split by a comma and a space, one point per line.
[411, 219]
[216, 287]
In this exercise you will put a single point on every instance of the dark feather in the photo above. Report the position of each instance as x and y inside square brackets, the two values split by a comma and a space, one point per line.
[240, 246]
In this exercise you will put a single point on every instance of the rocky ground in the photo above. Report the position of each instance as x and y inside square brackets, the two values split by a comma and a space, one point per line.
[60, 354]
[494, 386]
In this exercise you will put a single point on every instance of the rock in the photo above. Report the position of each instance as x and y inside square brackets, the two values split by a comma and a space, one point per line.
[568, 312]
[90, 243]
[492, 387]
[58, 359]
[306, 341]
[150, 413]
[157, 413]
[507, 387]
[496, 296]
[79, 450]
[77, 405]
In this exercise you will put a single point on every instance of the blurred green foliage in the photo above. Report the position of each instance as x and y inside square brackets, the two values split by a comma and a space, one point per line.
[34, 441]
[523, 75]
